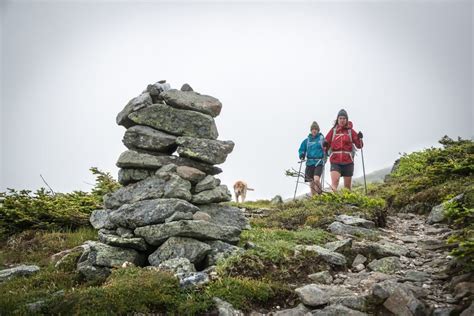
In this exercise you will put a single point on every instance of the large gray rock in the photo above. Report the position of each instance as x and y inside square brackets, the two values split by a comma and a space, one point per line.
[208, 183]
[102, 255]
[143, 100]
[156, 89]
[190, 100]
[402, 302]
[166, 185]
[177, 266]
[177, 216]
[134, 159]
[149, 212]
[220, 250]
[360, 303]
[127, 175]
[382, 290]
[201, 230]
[437, 214]
[149, 139]
[323, 277]
[123, 242]
[226, 215]
[101, 219]
[330, 257]
[355, 221]
[180, 247]
[379, 249]
[213, 152]
[388, 265]
[339, 228]
[317, 294]
[337, 310]
[219, 194]
[342, 246]
[21, 270]
[225, 308]
[176, 122]
[191, 174]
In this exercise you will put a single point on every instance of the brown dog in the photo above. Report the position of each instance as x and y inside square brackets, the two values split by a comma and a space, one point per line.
[240, 189]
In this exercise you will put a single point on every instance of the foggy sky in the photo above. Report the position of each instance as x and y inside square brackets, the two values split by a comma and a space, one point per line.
[402, 70]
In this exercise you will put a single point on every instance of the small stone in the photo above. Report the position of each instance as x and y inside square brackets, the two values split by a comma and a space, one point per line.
[193, 175]
[355, 221]
[186, 87]
[177, 216]
[359, 259]
[201, 216]
[21, 270]
[387, 265]
[323, 277]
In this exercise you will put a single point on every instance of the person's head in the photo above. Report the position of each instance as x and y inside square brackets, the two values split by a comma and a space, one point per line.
[314, 128]
[342, 118]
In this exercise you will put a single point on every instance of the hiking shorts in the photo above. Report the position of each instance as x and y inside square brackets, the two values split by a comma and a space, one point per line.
[346, 170]
[312, 171]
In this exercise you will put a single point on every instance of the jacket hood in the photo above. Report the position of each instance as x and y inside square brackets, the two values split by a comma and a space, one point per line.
[348, 126]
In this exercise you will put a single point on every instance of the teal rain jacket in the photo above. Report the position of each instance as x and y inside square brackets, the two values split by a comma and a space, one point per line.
[312, 148]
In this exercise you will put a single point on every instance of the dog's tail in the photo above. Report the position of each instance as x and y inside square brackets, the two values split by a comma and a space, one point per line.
[250, 189]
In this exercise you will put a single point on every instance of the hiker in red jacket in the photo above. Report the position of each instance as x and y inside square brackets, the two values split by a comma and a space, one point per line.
[340, 142]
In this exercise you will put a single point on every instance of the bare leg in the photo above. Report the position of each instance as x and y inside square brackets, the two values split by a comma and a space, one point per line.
[335, 176]
[348, 183]
[317, 184]
[312, 187]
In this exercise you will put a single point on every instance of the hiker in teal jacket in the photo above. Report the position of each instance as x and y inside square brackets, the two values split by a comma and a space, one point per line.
[312, 149]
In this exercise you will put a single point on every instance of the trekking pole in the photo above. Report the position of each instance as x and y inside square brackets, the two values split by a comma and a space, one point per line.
[298, 180]
[363, 169]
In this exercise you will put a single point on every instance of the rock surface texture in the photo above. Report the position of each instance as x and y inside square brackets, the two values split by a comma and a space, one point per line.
[168, 208]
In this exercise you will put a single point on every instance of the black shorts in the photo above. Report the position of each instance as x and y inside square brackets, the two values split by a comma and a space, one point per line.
[346, 170]
[312, 171]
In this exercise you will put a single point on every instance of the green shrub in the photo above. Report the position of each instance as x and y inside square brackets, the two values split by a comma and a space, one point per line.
[22, 210]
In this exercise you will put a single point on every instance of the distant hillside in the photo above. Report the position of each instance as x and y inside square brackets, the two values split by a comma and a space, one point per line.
[374, 177]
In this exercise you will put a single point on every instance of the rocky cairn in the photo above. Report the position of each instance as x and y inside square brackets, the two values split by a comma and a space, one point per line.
[167, 214]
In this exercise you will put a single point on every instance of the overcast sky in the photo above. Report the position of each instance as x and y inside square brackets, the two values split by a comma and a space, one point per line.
[403, 71]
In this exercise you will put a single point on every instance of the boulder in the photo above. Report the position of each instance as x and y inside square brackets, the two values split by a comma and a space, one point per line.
[186, 87]
[163, 185]
[145, 138]
[468, 311]
[388, 265]
[102, 255]
[128, 175]
[382, 290]
[226, 215]
[180, 247]
[339, 228]
[437, 214]
[143, 100]
[175, 121]
[359, 259]
[101, 219]
[193, 279]
[213, 152]
[156, 89]
[323, 277]
[402, 302]
[219, 194]
[201, 230]
[333, 258]
[190, 100]
[134, 159]
[379, 249]
[355, 221]
[191, 174]
[342, 246]
[208, 183]
[226, 309]
[149, 212]
[21, 270]
[317, 294]
[124, 232]
[123, 242]
[220, 250]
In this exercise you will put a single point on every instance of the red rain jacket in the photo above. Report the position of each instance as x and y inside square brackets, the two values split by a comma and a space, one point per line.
[341, 147]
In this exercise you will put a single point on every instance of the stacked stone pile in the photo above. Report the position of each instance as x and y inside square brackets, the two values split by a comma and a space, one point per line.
[168, 207]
